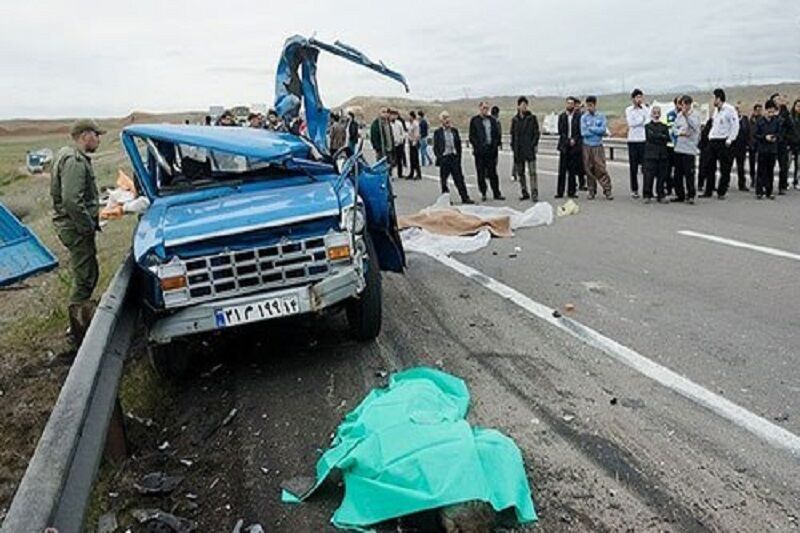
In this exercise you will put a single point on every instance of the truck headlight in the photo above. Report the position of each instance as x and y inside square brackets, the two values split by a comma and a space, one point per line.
[354, 218]
[173, 282]
[337, 246]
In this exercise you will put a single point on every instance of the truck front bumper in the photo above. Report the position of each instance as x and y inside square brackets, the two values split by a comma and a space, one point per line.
[346, 283]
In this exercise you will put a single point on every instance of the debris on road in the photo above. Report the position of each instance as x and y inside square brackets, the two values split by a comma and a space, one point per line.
[570, 207]
[556, 313]
[157, 483]
[408, 448]
[107, 523]
[569, 308]
[158, 520]
[163, 446]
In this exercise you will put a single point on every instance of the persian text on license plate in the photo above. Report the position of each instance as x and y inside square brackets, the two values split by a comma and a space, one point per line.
[260, 310]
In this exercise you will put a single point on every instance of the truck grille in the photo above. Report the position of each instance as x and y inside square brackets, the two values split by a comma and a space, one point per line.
[239, 272]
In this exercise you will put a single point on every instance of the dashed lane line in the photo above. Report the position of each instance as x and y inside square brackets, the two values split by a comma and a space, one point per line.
[758, 426]
[741, 244]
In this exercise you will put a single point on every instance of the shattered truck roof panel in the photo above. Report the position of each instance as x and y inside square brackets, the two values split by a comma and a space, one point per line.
[22, 254]
[255, 143]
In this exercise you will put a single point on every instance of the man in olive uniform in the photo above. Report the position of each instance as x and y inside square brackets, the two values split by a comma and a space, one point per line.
[75, 217]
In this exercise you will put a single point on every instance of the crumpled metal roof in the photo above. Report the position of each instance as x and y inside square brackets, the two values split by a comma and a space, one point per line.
[22, 254]
[250, 142]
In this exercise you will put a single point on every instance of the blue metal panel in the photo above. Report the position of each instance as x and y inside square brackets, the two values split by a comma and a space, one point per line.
[22, 254]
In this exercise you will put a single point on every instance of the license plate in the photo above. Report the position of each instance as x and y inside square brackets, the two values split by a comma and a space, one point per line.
[260, 310]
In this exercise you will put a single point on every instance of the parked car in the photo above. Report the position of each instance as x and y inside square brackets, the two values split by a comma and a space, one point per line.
[248, 225]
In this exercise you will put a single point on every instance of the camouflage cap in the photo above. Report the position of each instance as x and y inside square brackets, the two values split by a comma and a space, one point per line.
[86, 124]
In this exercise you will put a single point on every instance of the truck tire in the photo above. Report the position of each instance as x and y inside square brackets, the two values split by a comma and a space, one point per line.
[171, 360]
[364, 311]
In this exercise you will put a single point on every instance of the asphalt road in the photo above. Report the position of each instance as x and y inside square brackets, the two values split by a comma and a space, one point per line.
[607, 447]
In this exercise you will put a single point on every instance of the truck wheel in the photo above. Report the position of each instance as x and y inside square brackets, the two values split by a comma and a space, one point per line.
[170, 361]
[364, 311]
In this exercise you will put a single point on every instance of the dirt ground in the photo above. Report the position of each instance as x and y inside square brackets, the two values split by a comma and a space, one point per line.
[34, 349]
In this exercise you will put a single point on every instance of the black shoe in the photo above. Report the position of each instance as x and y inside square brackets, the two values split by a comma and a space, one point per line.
[583, 188]
[690, 201]
[676, 200]
[499, 197]
[525, 196]
[759, 196]
[558, 196]
[705, 195]
[635, 194]
[744, 189]
[771, 196]
[483, 197]
[468, 201]
[572, 195]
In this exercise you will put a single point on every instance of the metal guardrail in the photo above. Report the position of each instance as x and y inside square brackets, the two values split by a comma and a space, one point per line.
[57, 485]
[614, 146]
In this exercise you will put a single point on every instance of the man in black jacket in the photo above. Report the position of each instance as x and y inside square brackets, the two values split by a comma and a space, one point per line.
[484, 136]
[739, 147]
[752, 155]
[656, 156]
[569, 149]
[785, 124]
[524, 142]
[447, 153]
[768, 139]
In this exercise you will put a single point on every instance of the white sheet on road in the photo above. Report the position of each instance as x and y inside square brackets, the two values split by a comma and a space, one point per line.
[424, 241]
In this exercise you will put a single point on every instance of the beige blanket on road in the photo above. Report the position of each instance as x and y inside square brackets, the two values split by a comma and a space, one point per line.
[453, 222]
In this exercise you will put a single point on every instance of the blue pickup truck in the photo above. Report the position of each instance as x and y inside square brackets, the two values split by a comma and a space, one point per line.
[248, 225]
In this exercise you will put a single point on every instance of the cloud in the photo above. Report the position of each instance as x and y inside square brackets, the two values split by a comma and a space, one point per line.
[160, 56]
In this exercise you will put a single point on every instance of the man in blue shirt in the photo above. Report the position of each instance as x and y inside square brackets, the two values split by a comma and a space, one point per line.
[425, 157]
[593, 128]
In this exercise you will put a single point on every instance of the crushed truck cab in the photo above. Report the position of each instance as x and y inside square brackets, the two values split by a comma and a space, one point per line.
[249, 225]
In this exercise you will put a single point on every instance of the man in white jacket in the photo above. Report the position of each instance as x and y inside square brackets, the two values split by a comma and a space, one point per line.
[724, 130]
[637, 115]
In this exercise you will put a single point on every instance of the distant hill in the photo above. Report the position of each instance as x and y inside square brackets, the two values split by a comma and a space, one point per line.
[61, 126]
[460, 109]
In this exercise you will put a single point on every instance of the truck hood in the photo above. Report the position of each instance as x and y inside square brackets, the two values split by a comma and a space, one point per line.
[175, 221]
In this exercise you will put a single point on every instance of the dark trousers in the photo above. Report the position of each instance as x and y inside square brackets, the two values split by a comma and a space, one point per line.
[413, 158]
[684, 176]
[783, 167]
[486, 168]
[796, 159]
[766, 173]
[635, 160]
[752, 156]
[655, 171]
[569, 162]
[717, 153]
[450, 165]
[739, 156]
[83, 262]
[668, 183]
[399, 158]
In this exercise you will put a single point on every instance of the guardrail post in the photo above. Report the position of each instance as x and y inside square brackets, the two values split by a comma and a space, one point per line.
[116, 442]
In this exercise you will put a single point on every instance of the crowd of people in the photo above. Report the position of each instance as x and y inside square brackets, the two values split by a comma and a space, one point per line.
[678, 156]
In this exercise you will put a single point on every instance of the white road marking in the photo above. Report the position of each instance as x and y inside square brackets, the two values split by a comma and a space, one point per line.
[762, 428]
[739, 244]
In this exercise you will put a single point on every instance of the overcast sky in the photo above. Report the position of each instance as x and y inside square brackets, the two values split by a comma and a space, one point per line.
[73, 58]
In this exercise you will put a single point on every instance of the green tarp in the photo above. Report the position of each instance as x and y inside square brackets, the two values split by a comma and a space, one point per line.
[408, 448]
